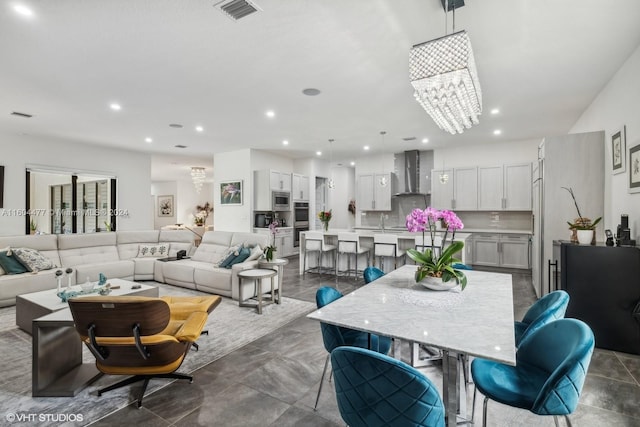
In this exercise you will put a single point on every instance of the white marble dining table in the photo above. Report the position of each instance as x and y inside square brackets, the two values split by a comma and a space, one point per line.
[475, 322]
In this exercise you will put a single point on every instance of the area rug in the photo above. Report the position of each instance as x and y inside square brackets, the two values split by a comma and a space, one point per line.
[230, 327]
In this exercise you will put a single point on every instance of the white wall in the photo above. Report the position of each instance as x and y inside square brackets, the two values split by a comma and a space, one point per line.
[132, 169]
[232, 166]
[617, 105]
[339, 196]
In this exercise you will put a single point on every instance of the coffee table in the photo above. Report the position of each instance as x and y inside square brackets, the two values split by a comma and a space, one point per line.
[37, 304]
[56, 364]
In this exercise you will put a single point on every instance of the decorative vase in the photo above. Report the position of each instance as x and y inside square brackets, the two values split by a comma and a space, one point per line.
[436, 283]
[585, 236]
[269, 254]
[326, 225]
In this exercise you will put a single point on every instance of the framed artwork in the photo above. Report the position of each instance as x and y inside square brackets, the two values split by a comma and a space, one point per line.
[165, 205]
[231, 192]
[634, 169]
[619, 150]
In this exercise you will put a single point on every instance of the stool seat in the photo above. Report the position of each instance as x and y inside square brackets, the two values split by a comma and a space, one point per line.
[349, 244]
[386, 246]
[314, 242]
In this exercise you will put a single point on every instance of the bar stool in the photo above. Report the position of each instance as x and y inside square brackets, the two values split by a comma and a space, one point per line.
[349, 244]
[386, 246]
[314, 242]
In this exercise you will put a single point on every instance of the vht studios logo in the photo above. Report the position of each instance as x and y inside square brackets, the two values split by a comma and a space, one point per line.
[25, 417]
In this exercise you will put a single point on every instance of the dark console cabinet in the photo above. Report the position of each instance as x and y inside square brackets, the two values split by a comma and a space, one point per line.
[604, 288]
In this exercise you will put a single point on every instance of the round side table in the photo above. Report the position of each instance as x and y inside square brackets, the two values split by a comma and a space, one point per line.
[277, 265]
[256, 274]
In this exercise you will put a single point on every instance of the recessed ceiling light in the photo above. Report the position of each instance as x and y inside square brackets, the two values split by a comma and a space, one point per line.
[115, 107]
[199, 129]
[23, 10]
[352, 163]
[495, 111]
[148, 140]
[285, 142]
[271, 114]
[497, 132]
[425, 140]
[318, 153]
[366, 147]
[311, 91]
[175, 125]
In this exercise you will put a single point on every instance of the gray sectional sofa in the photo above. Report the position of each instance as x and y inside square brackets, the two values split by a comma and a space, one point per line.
[118, 255]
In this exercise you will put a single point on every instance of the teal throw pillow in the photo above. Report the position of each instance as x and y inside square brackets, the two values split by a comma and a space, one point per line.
[228, 259]
[242, 256]
[11, 265]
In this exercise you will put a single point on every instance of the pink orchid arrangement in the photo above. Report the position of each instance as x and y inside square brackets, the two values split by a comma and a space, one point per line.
[420, 220]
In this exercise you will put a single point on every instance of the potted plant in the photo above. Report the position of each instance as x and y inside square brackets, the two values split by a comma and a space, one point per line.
[33, 226]
[200, 218]
[436, 271]
[269, 250]
[582, 228]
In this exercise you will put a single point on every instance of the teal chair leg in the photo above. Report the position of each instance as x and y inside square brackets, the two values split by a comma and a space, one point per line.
[324, 371]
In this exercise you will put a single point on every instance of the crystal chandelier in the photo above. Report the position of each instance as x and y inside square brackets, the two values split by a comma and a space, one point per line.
[444, 76]
[198, 176]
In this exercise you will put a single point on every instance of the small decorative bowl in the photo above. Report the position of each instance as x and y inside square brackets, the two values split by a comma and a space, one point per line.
[87, 286]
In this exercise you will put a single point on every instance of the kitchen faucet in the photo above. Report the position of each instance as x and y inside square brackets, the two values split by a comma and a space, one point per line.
[382, 222]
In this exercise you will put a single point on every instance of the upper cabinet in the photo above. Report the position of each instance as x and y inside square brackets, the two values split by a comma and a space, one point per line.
[300, 185]
[280, 180]
[483, 188]
[374, 192]
[442, 188]
[465, 189]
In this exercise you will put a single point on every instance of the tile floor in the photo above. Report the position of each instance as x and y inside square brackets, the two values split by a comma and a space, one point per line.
[273, 381]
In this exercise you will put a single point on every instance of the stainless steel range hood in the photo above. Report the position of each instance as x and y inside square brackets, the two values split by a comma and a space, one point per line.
[411, 174]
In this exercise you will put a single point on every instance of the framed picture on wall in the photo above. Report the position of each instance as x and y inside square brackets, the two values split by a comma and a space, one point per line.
[231, 192]
[619, 150]
[165, 205]
[634, 169]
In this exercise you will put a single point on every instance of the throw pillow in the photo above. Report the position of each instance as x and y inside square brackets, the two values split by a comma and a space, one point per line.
[33, 260]
[241, 257]
[153, 250]
[225, 263]
[10, 264]
[256, 253]
[230, 252]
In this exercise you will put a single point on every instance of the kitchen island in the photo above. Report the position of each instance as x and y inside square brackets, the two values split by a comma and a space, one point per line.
[406, 240]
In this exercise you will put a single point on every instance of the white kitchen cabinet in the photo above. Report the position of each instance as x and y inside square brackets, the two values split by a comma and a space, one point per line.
[515, 251]
[374, 192]
[442, 192]
[517, 187]
[502, 250]
[300, 187]
[490, 188]
[280, 180]
[486, 249]
[465, 185]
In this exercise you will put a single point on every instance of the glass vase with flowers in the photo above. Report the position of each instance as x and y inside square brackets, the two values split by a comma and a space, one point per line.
[325, 217]
[437, 270]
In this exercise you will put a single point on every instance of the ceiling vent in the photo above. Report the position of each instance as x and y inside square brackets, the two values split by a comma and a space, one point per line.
[180, 146]
[409, 139]
[237, 9]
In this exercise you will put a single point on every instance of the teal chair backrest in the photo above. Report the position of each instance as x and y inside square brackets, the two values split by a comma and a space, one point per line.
[550, 307]
[561, 351]
[372, 273]
[376, 390]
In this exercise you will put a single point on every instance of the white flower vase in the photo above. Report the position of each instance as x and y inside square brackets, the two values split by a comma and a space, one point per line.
[436, 283]
[585, 236]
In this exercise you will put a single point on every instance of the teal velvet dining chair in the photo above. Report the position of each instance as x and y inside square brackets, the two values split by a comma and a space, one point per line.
[372, 273]
[550, 307]
[551, 367]
[374, 390]
[335, 336]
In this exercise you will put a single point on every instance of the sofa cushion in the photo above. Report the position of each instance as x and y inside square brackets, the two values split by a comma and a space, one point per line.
[10, 264]
[146, 250]
[121, 269]
[46, 244]
[33, 259]
[228, 259]
[129, 242]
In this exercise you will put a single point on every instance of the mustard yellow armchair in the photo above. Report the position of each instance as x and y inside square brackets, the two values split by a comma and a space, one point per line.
[139, 336]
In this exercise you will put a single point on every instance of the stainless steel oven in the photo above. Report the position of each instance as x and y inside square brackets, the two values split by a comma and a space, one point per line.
[301, 212]
[281, 200]
[298, 228]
